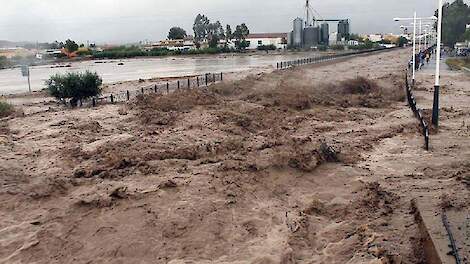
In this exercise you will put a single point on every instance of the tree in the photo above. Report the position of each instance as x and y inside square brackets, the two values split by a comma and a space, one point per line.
[356, 37]
[228, 34]
[455, 17]
[177, 33]
[74, 86]
[215, 32]
[71, 46]
[240, 34]
[401, 41]
[3, 62]
[466, 35]
[56, 45]
[200, 28]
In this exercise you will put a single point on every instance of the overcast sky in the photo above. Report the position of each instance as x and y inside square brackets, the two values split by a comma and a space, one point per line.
[118, 21]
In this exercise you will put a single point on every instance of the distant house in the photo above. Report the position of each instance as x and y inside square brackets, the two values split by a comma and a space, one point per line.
[278, 40]
[174, 44]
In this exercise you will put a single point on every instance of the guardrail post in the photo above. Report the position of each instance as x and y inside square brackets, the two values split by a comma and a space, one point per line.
[213, 77]
[221, 76]
[155, 88]
[112, 99]
[128, 95]
[93, 102]
[206, 79]
[178, 84]
[197, 79]
[167, 88]
[142, 90]
[189, 83]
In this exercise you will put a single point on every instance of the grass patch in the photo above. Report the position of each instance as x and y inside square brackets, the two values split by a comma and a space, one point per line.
[6, 109]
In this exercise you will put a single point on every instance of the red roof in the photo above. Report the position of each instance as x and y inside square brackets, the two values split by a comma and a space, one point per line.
[267, 35]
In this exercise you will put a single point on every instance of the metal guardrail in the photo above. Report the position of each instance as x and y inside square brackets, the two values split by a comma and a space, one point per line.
[417, 112]
[314, 60]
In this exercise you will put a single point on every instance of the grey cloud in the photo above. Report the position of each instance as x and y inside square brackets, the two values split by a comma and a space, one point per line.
[112, 21]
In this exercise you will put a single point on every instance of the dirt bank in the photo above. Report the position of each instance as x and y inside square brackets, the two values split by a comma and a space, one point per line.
[300, 166]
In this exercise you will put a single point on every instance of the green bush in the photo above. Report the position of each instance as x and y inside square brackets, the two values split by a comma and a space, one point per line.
[337, 47]
[6, 109]
[322, 48]
[74, 86]
[267, 47]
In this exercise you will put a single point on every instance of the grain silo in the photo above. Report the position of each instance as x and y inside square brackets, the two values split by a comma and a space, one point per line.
[297, 34]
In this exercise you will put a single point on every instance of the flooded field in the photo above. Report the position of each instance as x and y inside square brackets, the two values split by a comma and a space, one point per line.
[12, 82]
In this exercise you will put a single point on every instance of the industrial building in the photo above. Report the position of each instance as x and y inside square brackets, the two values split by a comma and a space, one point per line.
[313, 32]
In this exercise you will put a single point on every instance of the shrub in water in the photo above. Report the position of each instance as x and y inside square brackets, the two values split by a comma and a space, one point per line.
[74, 86]
[6, 109]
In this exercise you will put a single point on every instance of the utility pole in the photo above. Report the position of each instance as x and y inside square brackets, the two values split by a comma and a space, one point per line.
[414, 49]
[435, 106]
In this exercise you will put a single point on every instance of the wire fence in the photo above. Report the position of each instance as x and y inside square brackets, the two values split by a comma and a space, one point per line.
[163, 88]
[324, 58]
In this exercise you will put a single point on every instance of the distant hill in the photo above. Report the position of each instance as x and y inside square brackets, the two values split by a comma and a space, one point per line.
[12, 44]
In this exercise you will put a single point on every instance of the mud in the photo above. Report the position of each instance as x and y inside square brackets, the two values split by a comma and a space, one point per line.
[295, 166]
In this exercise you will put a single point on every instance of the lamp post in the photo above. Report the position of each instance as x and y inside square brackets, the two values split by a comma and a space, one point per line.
[414, 19]
[435, 106]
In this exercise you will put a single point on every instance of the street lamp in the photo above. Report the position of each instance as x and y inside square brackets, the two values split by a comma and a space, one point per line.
[435, 106]
[414, 19]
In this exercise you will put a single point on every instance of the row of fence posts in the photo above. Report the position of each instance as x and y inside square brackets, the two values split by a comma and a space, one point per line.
[299, 62]
[204, 81]
[417, 112]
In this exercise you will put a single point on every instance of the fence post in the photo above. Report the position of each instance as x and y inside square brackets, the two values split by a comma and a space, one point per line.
[81, 103]
[221, 76]
[93, 102]
[156, 89]
[197, 80]
[178, 84]
[189, 83]
[128, 95]
[142, 90]
[112, 99]
[206, 79]
[213, 77]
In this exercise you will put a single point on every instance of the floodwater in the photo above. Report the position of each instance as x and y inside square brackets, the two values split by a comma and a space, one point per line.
[11, 80]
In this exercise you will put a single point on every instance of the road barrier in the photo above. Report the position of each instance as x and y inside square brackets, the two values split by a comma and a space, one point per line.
[313, 60]
[417, 112]
[180, 84]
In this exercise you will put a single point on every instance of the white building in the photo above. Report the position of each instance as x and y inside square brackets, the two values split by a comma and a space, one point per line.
[278, 40]
[353, 43]
[375, 37]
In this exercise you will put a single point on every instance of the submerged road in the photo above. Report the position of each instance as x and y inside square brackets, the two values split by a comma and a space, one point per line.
[12, 82]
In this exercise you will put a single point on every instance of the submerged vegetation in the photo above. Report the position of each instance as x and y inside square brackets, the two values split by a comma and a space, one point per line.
[6, 109]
